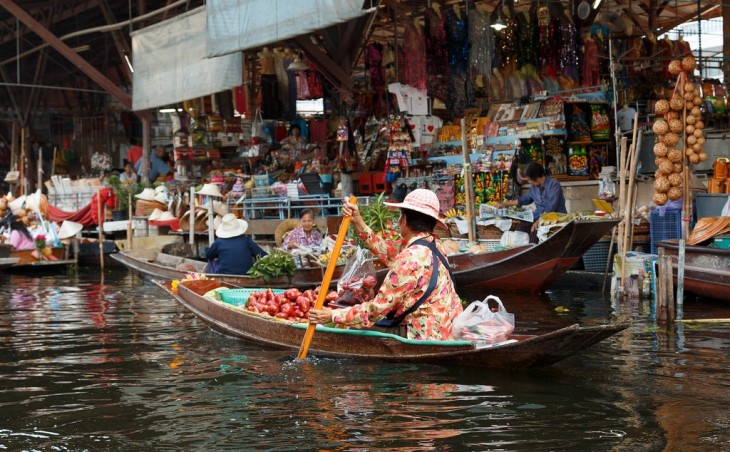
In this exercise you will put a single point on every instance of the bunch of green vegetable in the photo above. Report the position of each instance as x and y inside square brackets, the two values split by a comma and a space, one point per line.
[273, 265]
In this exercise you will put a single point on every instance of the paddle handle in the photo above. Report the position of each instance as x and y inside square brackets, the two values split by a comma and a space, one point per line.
[309, 334]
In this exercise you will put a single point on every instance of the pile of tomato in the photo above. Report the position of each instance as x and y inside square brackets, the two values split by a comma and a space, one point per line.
[292, 305]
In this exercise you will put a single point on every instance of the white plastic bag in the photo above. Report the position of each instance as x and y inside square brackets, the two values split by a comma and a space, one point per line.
[726, 209]
[478, 323]
[513, 239]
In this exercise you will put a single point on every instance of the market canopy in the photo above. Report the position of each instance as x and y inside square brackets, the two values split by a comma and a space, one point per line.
[171, 65]
[235, 25]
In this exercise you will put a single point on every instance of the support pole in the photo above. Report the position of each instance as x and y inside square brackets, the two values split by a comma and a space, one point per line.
[100, 222]
[21, 164]
[468, 187]
[680, 280]
[129, 221]
[191, 231]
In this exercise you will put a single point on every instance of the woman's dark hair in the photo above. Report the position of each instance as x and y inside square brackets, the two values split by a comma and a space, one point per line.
[306, 212]
[17, 225]
[533, 170]
[294, 126]
[418, 222]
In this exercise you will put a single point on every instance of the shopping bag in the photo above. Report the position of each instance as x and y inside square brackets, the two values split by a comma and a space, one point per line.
[12, 176]
[478, 323]
[357, 283]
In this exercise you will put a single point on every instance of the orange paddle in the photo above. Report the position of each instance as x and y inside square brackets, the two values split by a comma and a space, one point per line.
[326, 281]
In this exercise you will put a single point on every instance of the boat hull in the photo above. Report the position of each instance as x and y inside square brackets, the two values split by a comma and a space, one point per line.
[530, 268]
[26, 260]
[706, 270]
[528, 350]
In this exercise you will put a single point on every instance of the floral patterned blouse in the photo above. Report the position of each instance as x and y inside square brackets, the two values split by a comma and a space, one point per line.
[298, 236]
[408, 278]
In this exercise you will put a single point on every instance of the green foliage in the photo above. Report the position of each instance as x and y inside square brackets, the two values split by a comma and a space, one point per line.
[378, 216]
[273, 265]
[122, 191]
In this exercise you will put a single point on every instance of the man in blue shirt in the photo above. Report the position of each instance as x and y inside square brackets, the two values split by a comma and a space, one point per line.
[157, 164]
[545, 192]
[234, 253]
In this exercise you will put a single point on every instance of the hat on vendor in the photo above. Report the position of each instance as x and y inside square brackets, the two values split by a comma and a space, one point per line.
[166, 216]
[161, 197]
[231, 227]
[16, 204]
[219, 208]
[160, 189]
[422, 201]
[148, 194]
[69, 229]
[708, 227]
[210, 190]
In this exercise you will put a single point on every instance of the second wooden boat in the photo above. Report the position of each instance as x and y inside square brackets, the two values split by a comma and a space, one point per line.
[706, 270]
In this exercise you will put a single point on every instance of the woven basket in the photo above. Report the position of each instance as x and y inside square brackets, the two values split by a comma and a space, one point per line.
[455, 231]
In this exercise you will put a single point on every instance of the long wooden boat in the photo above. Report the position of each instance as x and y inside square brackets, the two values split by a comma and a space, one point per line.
[8, 261]
[706, 270]
[533, 267]
[26, 260]
[520, 351]
[165, 266]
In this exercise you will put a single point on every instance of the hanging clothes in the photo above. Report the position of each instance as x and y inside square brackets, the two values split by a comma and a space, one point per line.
[282, 78]
[591, 75]
[314, 81]
[457, 37]
[318, 131]
[665, 51]
[437, 57]
[374, 65]
[414, 46]
[682, 48]
[544, 63]
[269, 97]
[302, 85]
[481, 47]
[526, 34]
[569, 49]
[506, 44]
[291, 112]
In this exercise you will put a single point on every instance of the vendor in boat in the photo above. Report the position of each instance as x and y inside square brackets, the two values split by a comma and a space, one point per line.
[232, 253]
[305, 234]
[20, 237]
[418, 290]
[545, 192]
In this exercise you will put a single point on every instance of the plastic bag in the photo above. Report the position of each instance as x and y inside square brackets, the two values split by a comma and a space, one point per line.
[606, 188]
[357, 283]
[513, 239]
[479, 323]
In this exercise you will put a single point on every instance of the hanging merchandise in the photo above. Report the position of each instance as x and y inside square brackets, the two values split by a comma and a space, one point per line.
[482, 48]
[458, 40]
[414, 71]
[399, 152]
[600, 123]
[437, 56]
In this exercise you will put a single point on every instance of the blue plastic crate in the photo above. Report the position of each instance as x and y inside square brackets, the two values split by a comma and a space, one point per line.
[594, 260]
[663, 225]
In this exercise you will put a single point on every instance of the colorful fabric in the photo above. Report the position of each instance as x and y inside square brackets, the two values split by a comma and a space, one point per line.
[411, 268]
[19, 241]
[298, 236]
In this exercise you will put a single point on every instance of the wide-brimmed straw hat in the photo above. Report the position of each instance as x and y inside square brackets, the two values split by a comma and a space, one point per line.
[210, 190]
[155, 215]
[166, 216]
[423, 201]
[708, 227]
[161, 197]
[161, 189]
[231, 227]
[148, 194]
[17, 203]
[69, 229]
[219, 208]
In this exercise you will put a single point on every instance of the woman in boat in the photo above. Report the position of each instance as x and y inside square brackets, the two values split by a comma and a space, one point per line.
[232, 253]
[305, 234]
[20, 237]
[545, 192]
[418, 290]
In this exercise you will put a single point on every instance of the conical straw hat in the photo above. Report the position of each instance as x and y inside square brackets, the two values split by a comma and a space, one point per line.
[708, 227]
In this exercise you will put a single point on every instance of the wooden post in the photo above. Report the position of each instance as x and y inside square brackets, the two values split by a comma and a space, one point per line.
[468, 187]
[21, 164]
[621, 203]
[629, 212]
[129, 222]
[191, 232]
[680, 279]
[686, 207]
[39, 181]
[211, 229]
[661, 290]
[100, 222]
[53, 163]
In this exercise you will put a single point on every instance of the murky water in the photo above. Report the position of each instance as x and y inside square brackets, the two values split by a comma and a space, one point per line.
[92, 365]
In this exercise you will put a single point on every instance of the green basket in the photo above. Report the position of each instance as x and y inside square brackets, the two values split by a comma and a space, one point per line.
[239, 297]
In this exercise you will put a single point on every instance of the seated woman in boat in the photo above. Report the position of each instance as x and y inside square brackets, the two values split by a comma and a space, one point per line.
[545, 192]
[20, 237]
[305, 234]
[418, 290]
[233, 252]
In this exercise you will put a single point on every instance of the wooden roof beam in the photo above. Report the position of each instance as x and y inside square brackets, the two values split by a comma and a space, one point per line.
[687, 17]
[61, 16]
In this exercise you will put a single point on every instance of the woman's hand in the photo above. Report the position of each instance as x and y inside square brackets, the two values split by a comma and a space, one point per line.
[353, 211]
[321, 316]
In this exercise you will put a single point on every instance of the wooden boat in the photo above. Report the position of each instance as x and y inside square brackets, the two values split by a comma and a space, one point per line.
[706, 270]
[26, 260]
[165, 266]
[8, 261]
[520, 351]
[530, 268]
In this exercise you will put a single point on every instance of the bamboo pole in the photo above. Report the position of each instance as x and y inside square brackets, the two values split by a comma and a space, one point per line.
[191, 231]
[634, 193]
[39, 181]
[700, 321]
[100, 222]
[621, 201]
[129, 221]
[326, 280]
[629, 212]
[211, 229]
[686, 205]
[21, 164]
[468, 187]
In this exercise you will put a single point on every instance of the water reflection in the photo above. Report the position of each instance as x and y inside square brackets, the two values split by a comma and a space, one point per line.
[114, 363]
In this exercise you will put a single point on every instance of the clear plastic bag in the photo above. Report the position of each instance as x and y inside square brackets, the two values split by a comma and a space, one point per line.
[478, 323]
[357, 284]
[606, 188]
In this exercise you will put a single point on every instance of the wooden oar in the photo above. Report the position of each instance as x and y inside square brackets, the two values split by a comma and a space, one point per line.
[326, 281]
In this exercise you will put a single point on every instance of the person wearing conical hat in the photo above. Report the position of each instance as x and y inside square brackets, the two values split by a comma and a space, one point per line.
[418, 292]
[232, 253]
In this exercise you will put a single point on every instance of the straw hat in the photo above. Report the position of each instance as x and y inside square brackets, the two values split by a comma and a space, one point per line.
[161, 197]
[17, 203]
[166, 216]
[423, 201]
[156, 214]
[708, 227]
[284, 228]
[231, 227]
[217, 220]
[199, 222]
[210, 190]
[33, 201]
[161, 189]
[219, 208]
[148, 194]
[69, 229]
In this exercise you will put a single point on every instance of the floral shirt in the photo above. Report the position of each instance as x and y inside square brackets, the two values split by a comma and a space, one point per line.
[408, 278]
[298, 236]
